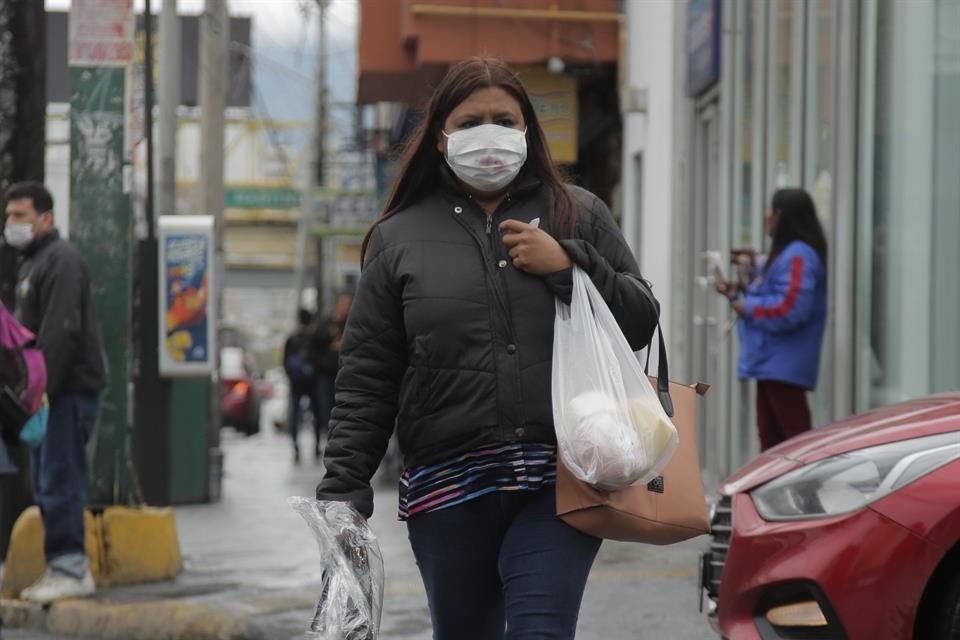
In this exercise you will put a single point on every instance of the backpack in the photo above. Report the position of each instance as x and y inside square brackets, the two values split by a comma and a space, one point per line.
[23, 384]
[298, 366]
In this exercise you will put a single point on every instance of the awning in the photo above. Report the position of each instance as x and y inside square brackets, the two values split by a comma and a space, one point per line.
[406, 45]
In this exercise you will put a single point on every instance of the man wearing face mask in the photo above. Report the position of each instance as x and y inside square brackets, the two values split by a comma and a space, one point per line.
[55, 302]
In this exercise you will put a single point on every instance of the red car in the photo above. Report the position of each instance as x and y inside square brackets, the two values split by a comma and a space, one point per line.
[239, 392]
[846, 532]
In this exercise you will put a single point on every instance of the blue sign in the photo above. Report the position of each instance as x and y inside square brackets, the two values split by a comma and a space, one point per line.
[703, 45]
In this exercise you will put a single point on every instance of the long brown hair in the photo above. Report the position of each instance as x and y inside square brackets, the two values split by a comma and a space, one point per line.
[421, 162]
[797, 220]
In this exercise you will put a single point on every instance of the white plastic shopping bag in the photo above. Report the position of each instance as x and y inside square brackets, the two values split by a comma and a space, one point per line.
[612, 431]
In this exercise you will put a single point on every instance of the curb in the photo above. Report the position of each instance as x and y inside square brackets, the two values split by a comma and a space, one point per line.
[124, 546]
[173, 619]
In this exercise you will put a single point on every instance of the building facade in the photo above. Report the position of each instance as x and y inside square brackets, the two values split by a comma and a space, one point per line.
[725, 101]
[565, 51]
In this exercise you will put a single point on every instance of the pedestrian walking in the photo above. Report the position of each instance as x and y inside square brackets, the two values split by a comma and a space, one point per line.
[55, 303]
[782, 314]
[301, 372]
[450, 339]
[327, 336]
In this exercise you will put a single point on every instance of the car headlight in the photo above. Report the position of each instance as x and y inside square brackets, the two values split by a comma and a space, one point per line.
[845, 483]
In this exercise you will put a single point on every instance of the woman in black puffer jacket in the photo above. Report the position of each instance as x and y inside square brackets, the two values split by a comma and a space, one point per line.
[450, 341]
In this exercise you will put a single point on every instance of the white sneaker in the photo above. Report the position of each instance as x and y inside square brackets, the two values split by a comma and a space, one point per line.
[55, 586]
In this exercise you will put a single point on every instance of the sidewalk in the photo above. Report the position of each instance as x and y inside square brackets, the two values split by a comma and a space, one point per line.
[251, 566]
[252, 571]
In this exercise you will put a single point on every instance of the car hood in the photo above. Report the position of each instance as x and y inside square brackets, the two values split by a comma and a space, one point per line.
[914, 419]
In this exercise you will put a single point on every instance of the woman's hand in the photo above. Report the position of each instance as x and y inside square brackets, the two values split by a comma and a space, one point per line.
[724, 288]
[533, 250]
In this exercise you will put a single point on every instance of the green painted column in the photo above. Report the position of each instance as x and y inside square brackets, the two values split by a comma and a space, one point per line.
[101, 228]
[189, 416]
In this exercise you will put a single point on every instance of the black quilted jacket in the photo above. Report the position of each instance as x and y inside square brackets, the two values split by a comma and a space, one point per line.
[451, 345]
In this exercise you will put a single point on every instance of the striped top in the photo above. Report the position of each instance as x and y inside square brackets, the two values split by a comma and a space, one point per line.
[518, 466]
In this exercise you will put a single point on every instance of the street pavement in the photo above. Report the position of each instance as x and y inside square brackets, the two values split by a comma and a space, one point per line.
[635, 591]
[251, 556]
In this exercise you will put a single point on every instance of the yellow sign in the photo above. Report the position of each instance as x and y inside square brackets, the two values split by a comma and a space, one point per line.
[554, 97]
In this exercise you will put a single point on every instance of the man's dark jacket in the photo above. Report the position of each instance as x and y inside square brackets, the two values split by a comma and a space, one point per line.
[55, 302]
[452, 344]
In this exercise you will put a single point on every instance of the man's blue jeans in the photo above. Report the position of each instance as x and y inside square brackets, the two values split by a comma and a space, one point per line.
[60, 480]
[296, 409]
[502, 566]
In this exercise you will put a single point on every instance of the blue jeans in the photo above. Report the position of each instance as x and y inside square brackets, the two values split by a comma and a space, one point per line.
[60, 480]
[296, 412]
[502, 566]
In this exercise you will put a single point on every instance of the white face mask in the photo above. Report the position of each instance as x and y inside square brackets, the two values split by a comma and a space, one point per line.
[18, 235]
[488, 157]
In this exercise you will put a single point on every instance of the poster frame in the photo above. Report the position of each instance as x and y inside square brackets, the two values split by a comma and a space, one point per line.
[201, 227]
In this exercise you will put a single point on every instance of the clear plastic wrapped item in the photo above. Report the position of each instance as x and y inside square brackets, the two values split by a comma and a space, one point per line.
[351, 593]
[612, 431]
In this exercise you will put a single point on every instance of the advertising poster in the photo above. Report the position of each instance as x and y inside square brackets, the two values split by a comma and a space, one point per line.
[186, 295]
[555, 99]
[101, 33]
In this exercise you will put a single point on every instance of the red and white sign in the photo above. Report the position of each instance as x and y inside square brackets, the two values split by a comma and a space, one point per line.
[101, 33]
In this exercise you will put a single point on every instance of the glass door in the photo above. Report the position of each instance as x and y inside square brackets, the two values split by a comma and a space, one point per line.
[709, 310]
[908, 305]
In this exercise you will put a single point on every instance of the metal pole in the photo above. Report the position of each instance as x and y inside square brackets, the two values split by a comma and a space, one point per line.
[148, 116]
[151, 400]
[169, 99]
[214, 46]
[214, 39]
[314, 175]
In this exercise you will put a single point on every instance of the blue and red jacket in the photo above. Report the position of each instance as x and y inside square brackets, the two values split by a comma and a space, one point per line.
[784, 315]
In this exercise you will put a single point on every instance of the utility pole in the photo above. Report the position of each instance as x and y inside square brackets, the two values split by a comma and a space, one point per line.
[169, 99]
[314, 176]
[101, 47]
[151, 401]
[23, 118]
[214, 46]
[23, 65]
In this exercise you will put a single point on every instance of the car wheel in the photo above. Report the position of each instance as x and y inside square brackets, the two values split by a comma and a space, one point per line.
[948, 616]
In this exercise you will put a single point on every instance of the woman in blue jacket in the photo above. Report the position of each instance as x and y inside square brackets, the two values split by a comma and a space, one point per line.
[782, 317]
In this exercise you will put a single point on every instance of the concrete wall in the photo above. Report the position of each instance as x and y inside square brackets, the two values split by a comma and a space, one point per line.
[648, 142]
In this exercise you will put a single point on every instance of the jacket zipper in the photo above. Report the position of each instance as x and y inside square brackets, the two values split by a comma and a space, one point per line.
[490, 264]
[499, 254]
[495, 273]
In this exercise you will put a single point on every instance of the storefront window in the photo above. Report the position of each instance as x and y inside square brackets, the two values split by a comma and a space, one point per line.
[743, 236]
[820, 146]
[820, 138]
[910, 221]
[785, 72]
[749, 112]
